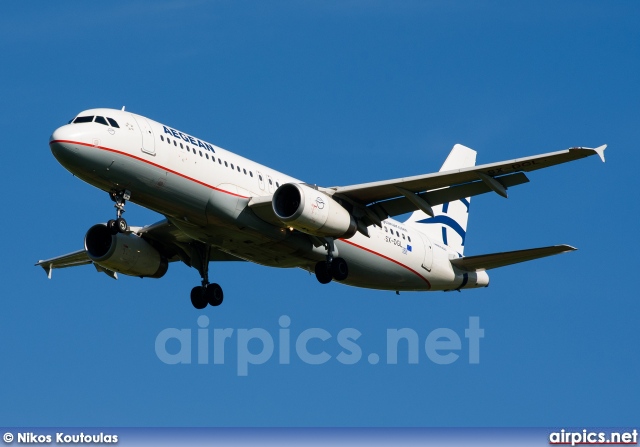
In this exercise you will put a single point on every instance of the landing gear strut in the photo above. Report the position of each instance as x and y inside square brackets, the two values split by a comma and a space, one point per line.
[119, 225]
[332, 268]
[207, 293]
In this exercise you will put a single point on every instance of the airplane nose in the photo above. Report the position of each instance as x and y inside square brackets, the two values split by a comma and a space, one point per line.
[61, 143]
[71, 146]
[56, 135]
[61, 134]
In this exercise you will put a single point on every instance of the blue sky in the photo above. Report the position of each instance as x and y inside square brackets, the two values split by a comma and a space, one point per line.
[333, 93]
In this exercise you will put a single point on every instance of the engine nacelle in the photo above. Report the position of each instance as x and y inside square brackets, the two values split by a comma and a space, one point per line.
[124, 253]
[312, 211]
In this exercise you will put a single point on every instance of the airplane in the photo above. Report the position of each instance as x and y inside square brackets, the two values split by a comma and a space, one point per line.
[219, 206]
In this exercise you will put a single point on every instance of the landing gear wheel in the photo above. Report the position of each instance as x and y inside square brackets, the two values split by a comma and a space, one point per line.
[112, 227]
[214, 294]
[323, 273]
[121, 225]
[339, 269]
[207, 293]
[198, 298]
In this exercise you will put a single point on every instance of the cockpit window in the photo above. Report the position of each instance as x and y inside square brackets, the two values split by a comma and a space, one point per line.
[113, 122]
[101, 120]
[83, 119]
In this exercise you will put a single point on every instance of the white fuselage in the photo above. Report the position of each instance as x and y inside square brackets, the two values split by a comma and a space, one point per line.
[204, 190]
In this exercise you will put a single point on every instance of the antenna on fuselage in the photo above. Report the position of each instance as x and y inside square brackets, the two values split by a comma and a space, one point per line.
[123, 108]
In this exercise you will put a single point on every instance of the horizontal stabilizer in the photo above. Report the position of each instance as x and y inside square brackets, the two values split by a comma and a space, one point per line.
[495, 260]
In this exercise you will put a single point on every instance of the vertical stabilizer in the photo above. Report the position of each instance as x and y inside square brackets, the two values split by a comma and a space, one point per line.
[449, 223]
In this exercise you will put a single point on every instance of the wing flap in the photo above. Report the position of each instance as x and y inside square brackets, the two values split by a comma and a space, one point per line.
[401, 205]
[495, 260]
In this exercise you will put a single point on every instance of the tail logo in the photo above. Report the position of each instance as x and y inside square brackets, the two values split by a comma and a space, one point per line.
[447, 221]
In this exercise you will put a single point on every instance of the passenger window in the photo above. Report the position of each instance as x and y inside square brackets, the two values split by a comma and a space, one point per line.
[402, 235]
[168, 140]
[397, 234]
[101, 120]
[238, 168]
[385, 230]
[161, 138]
[270, 182]
[206, 155]
[174, 143]
[113, 123]
[277, 185]
[83, 119]
[200, 153]
[219, 161]
[251, 173]
[245, 171]
[181, 146]
[213, 159]
[260, 177]
[188, 149]
[226, 164]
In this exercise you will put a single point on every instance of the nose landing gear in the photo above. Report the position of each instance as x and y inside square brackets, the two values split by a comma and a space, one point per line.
[119, 225]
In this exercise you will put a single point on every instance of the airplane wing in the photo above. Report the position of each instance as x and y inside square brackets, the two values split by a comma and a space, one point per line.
[398, 196]
[495, 260]
[375, 201]
[71, 260]
[377, 191]
[172, 243]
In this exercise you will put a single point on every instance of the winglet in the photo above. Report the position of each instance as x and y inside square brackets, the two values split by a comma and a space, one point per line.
[600, 151]
[47, 267]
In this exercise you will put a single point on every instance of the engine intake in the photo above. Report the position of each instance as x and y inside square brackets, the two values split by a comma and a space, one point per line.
[312, 211]
[124, 253]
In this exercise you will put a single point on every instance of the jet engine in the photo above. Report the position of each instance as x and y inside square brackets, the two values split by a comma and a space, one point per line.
[124, 253]
[312, 211]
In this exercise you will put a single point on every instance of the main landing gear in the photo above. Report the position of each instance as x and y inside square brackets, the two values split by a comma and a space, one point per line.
[207, 293]
[119, 225]
[332, 268]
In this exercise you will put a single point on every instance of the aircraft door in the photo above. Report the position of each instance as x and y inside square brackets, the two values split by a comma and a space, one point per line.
[427, 260]
[148, 141]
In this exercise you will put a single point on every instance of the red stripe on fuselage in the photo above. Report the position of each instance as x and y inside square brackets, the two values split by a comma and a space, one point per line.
[150, 163]
[388, 259]
[227, 192]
